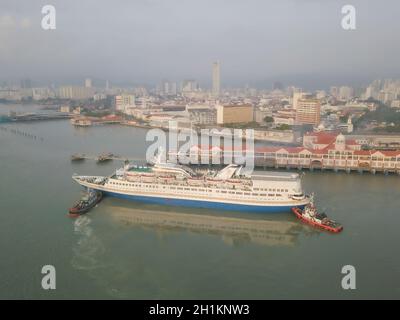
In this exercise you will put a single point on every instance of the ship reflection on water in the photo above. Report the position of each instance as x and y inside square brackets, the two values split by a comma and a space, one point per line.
[132, 250]
[233, 228]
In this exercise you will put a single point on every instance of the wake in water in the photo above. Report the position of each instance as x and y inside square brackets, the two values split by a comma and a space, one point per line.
[89, 249]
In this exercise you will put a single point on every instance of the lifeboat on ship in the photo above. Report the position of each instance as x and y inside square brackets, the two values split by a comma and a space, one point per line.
[195, 181]
[132, 178]
[298, 196]
[235, 184]
[147, 177]
[165, 179]
[132, 173]
[214, 181]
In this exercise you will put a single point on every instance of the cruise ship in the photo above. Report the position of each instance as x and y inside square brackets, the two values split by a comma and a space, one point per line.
[231, 188]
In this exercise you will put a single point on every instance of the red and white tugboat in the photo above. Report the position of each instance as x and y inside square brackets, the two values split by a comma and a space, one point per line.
[311, 216]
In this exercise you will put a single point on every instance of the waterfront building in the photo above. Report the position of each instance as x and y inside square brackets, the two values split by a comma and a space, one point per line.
[327, 151]
[331, 152]
[10, 94]
[124, 102]
[227, 114]
[65, 109]
[395, 104]
[201, 114]
[282, 119]
[323, 140]
[282, 136]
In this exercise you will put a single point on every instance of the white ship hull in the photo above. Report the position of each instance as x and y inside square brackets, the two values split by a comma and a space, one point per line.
[192, 196]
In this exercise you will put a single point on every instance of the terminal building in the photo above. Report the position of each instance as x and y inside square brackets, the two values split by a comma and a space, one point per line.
[320, 150]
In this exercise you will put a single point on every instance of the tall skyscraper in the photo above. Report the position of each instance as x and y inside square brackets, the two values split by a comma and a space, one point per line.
[297, 95]
[216, 80]
[88, 83]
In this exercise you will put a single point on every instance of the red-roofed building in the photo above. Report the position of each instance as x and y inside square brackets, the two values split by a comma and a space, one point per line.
[331, 151]
[324, 140]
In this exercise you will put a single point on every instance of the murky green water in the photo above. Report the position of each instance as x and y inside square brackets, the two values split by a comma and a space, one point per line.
[124, 249]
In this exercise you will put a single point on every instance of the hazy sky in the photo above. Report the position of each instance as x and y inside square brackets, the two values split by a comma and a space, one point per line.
[144, 41]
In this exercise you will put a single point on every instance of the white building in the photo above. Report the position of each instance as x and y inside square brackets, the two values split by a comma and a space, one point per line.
[346, 93]
[201, 114]
[297, 95]
[75, 93]
[88, 83]
[124, 102]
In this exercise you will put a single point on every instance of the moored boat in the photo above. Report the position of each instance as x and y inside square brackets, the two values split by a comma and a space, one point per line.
[310, 215]
[87, 202]
[105, 157]
[77, 157]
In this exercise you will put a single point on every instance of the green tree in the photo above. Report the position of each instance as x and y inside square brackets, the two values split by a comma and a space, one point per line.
[268, 119]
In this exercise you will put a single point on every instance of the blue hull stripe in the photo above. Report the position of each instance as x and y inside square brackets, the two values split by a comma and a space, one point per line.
[202, 204]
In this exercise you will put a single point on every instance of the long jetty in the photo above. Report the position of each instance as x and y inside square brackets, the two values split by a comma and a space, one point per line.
[35, 117]
[105, 158]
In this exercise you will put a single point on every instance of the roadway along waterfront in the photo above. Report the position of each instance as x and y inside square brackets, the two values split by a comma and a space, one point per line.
[123, 249]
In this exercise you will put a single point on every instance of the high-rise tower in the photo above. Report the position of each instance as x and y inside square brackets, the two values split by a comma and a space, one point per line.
[216, 81]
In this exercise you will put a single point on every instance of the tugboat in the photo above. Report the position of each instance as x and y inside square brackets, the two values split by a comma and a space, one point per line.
[311, 216]
[87, 202]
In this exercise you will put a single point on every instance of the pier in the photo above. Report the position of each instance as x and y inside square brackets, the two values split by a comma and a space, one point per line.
[103, 158]
[40, 116]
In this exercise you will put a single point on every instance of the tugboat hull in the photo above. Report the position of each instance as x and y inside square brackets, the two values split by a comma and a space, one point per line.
[298, 213]
[80, 208]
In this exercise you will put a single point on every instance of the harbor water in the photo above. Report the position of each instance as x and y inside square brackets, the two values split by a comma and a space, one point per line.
[123, 249]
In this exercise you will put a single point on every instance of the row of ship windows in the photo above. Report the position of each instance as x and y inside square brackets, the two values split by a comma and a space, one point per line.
[205, 190]
[273, 190]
